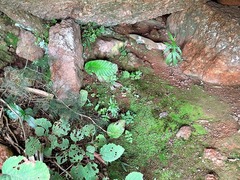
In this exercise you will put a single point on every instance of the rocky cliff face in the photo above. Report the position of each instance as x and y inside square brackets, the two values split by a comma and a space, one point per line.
[210, 38]
[106, 12]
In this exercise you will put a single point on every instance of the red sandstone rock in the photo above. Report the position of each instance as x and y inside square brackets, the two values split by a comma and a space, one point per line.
[211, 177]
[110, 12]
[210, 42]
[230, 2]
[27, 48]
[5, 153]
[216, 157]
[184, 132]
[65, 52]
[224, 128]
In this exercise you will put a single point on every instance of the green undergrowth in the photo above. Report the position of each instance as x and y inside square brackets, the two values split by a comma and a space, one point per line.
[155, 148]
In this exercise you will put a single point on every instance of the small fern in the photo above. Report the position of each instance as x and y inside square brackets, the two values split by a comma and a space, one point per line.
[104, 70]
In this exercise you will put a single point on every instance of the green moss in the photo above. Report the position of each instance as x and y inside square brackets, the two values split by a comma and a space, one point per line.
[155, 151]
[151, 150]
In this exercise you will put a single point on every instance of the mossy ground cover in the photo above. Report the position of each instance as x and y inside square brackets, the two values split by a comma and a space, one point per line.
[155, 150]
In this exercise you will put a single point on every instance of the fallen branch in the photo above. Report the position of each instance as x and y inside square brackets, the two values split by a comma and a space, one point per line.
[39, 92]
[99, 158]
[60, 167]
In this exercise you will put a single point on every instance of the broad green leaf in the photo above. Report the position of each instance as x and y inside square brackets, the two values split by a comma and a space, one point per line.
[18, 167]
[32, 146]
[54, 141]
[18, 112]
[100, 140]
[104, 70]
[77, 135]
[75, 153]
[62, 158]
[88, 172]
[89, 130]
[56, 176]
[29, 111]
[30, 120]
[90, 149]
[134, 176]
[63, 145]
[90, 152]
[83, 97]
[61, 128]
[47, 151]
[42, 127]
[116, 129]
[111, 152]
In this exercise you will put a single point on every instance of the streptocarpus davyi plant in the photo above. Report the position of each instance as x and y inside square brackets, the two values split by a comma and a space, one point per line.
[172, 52]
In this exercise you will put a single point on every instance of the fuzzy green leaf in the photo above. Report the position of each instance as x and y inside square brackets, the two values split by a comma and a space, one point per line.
[116, 129]
[18, 167]
[63, 145]
[104, 70]
[111, 152]
[83, 97]
[30, 120]
[90, 152]
[32, 146]
[61, 128]
[62, 158]
[75, 153]
[76, 135]
[47, 151]
[54, 140]
[90, 149]
[134, 176]
[89, 130]
[42, 126]
[18, 112]
[100, 140]
[88, 172]
[56, 176]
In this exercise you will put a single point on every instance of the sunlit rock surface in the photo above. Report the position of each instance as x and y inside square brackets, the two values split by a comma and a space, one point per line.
[65, 52]
[209, 35]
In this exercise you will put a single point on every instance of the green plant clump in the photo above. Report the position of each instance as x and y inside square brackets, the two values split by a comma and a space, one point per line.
[90, 33]
[11, 40]
[172, 52]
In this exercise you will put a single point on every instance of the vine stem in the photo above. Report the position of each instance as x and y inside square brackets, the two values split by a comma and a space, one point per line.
[82, 115]
[60, 167]
[20, 119]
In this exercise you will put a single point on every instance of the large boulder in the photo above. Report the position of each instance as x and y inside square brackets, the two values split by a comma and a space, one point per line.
[110, 12]
[65, 52]
[209, 35]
